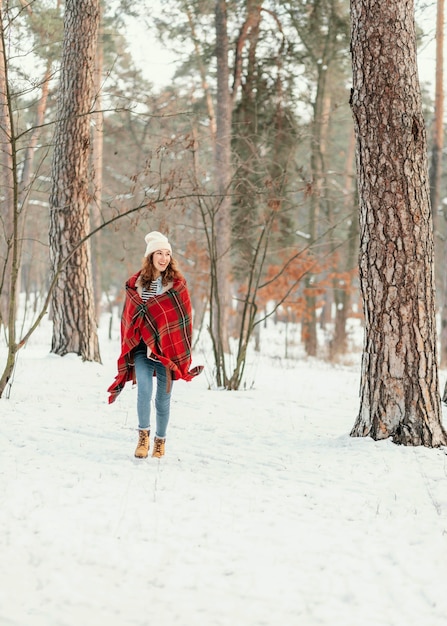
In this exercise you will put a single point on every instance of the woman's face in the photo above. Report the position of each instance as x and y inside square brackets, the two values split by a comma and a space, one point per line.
[161, 260]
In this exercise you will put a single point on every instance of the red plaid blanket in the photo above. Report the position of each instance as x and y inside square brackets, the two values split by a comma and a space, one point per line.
[164, 324]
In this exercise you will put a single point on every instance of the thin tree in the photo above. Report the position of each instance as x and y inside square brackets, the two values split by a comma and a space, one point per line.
[438, 124]
[17, 152]
[343, 290]
[9, 219]
[399, 391]
[322, 30]
[73, 305]
[436, 167]
[97, 170]
[220, 299]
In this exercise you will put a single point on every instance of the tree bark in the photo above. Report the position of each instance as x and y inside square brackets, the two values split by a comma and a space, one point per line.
[73, 305]
[399, 382]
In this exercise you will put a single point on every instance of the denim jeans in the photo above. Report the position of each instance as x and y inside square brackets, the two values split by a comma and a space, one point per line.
[144, 370]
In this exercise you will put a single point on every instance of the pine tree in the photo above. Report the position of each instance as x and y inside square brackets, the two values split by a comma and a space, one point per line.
[399, 382]
[73, 305]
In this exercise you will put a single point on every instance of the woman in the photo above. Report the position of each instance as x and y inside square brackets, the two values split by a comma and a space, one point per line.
[156, 331]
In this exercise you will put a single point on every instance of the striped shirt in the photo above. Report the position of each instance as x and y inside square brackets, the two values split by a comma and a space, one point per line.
[154, 289]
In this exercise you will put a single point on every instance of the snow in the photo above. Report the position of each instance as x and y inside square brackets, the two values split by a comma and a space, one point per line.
[264, 511]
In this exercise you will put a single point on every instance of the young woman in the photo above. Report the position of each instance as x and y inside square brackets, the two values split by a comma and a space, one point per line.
[156, 331]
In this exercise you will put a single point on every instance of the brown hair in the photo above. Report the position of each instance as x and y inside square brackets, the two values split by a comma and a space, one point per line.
[148, 272]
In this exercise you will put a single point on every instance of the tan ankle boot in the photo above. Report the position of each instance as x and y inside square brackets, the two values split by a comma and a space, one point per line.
[143, 444]
[159, 447]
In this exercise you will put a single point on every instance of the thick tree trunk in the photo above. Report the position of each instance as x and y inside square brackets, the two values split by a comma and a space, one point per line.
[73, 306]
[399, 383]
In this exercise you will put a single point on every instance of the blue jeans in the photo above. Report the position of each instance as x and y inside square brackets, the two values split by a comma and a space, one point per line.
[144, 370]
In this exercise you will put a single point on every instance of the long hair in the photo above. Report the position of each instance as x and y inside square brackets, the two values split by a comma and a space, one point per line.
[148, 272]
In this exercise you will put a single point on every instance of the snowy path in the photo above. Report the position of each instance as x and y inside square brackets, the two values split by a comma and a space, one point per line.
[264, 511]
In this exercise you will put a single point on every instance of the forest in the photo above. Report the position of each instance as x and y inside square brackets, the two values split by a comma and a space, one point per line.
[295, 160]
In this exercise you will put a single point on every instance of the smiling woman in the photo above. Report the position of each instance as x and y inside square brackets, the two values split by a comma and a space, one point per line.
[156, 333]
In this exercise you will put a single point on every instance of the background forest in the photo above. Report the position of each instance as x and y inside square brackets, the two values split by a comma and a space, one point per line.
[246, 160]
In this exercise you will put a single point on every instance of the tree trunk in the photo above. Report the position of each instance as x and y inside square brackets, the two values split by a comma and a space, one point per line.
[73, 306]
[9, 255]
[436, 167]
[202, 71]
[399, 382]
[8, 213]
[318, 137]
[342, 296]
[97, 155]
[438, 126]
[221, 236]
[339, 343]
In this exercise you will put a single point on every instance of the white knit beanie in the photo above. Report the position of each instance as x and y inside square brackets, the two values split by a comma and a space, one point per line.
[156, 241]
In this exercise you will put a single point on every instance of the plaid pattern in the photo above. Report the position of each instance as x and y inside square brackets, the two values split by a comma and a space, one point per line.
[164, 324]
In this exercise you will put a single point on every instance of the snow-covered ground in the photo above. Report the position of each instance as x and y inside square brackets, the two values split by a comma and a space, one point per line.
[264, 512]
